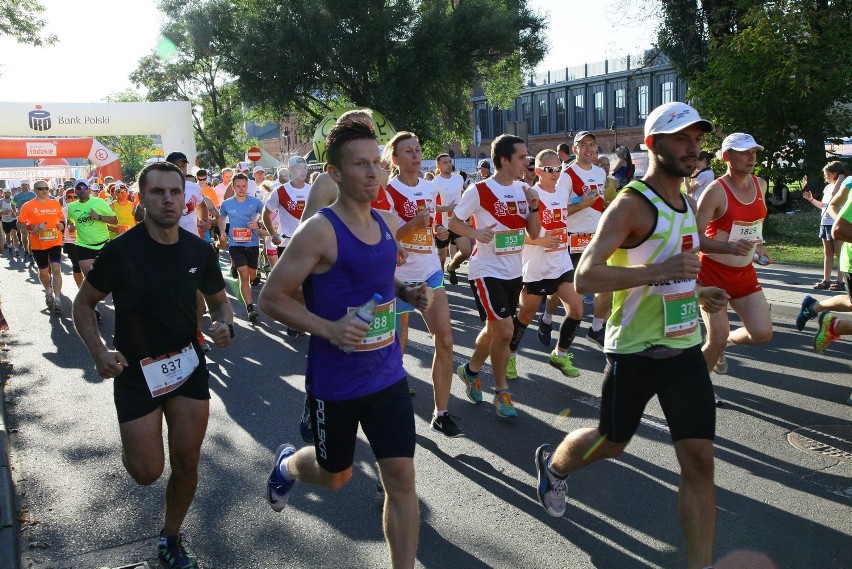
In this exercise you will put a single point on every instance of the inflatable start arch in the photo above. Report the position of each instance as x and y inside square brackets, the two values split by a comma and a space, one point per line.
[171, 120]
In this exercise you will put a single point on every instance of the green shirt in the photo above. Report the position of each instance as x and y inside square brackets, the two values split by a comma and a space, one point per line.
[91, 233]
[846, 214]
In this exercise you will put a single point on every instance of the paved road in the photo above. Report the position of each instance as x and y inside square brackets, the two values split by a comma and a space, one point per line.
[477, 503]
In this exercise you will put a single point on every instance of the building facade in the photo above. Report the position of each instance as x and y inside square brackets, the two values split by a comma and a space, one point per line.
[610, 98]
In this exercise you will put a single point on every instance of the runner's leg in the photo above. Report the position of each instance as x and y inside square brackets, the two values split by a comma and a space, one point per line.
[437, 320]
[753, 310]
[401, 514]
[187, 421]
[697, 500]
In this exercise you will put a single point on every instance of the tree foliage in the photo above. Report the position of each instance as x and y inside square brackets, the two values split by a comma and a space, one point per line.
[414, 60]
[20, 19]
[186, 67]
[774, 69]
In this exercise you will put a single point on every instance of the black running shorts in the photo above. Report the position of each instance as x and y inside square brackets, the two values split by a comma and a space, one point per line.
[441, 243]
[71, 250]
[387, 418]
[549, 286]
[496, 298]
[244, 256]
[44, 257]
[681, 383]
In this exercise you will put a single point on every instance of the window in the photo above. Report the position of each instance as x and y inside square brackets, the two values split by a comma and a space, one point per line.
[496, 122]
[600, 109]
[667, 92]
[482, 120]
[543, 125]
[642, 101]
[560, 114]
[579, 111]
[620, 106]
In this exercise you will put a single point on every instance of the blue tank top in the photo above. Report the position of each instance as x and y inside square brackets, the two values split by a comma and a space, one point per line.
[359, 271]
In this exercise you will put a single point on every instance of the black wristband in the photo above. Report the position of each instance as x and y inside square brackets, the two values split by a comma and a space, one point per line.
[534, 210]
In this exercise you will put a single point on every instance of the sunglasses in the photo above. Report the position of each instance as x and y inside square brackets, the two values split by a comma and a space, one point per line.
[40, 188]
[204, 179]
[549, 169]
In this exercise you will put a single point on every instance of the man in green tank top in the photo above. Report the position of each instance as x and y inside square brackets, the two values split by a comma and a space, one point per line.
[648, 241]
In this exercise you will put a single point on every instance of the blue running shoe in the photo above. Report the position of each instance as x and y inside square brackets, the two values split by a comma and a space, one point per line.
[551, 489]
[174, 554]
[306, 428]
[277, 488]
[588, 299]
[504, 406]
[806, 312]
[472, 385]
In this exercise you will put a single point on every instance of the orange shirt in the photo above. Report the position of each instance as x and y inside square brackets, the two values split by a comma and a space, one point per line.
[35, 212]
[209, 192]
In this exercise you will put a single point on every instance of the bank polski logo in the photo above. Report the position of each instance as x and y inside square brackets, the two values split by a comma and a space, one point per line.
[39, 119]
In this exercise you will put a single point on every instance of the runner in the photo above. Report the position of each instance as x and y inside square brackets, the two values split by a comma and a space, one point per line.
[91, 216]
[548, 269]
[732, 208]
[43, 220]
[158, 366]
[221, 188]
[243, 211]
[9, 218]
[501, 208]
[586, 184]
[450, 186]
[354, 376]
[288, 201]
[644, 251]
[24, 195]
[123, 208]
[413, 201]
[70, 244]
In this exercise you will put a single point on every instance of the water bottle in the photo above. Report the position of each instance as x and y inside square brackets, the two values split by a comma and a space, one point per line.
[366, 313]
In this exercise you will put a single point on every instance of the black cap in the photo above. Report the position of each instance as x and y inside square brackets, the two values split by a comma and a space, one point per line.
[484, 164]
[175, 157]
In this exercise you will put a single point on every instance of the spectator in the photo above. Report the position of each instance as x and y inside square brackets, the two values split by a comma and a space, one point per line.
[624, 169]
[834, 174]
[564, 153]
[779, 201]
[701, 177]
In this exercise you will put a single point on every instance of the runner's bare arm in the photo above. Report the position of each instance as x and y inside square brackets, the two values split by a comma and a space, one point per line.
[221, 314]
[627, 222]
[323, 193]
[109, 363]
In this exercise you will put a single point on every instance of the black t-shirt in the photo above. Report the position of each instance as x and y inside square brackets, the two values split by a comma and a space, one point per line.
[153, 289]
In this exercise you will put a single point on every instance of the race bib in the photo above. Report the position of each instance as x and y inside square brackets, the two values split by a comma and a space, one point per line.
[48, 234]
[241, 234]
[509, 242]
[382, 330]
[579, 242]
[168, 372]
[748, 230]
[562, 233]
[420, 241]
[680, 314]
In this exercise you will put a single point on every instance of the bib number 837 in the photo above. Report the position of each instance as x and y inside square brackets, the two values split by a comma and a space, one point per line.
[170, 366]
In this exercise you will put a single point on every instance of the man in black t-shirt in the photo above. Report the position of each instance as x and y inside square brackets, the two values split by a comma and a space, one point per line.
[153, 272]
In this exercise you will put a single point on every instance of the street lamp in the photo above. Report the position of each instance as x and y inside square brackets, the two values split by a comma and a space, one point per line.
[615, 132]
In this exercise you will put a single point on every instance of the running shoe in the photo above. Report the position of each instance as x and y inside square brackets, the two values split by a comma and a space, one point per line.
[503, 405]
[277, 488]
[551, 489]
[174, 554]
[48, 300]
[824, 335]
[718, 400]
[564, 364]
[57, 304]
[596, 337]
[306, 429]
[588, 299]
[473, 387]
[445, 425]
[806, 312]
[255, 281]
[512, 367]
[252, 315]
[454, 278]
[721, 366]
[544, 332]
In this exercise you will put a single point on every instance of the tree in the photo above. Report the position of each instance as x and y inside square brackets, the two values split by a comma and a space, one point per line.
[415, 61]
[185, 67]
[133, 150]
[772, 69]
[19, 19]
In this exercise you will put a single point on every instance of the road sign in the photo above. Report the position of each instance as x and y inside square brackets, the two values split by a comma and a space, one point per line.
[254, 154]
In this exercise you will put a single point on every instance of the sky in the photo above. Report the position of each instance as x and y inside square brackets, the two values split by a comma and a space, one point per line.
[101, 42]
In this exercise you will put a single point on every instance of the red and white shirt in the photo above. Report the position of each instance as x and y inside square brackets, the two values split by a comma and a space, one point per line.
[506, 208]
[407, 202]
[579, 182]
[289, 202]
[540, 263]
[449, 192]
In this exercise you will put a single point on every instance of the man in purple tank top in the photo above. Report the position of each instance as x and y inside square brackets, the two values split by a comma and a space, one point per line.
[341, 258]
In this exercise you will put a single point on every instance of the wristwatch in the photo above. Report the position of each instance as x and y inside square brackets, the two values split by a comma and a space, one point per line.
[230, 329]
[534, 210]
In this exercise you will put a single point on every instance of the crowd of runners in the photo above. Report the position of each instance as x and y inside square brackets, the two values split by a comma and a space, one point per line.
[535, 233]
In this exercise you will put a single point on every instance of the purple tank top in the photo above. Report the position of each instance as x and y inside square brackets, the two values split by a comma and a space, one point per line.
[359, 271]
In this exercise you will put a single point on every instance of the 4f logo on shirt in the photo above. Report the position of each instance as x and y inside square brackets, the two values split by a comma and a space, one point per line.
[193, 269]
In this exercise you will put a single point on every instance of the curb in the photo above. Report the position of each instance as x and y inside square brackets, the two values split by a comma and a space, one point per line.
[9, 545]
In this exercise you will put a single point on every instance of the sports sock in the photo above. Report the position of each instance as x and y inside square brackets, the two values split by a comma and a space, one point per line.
[597, 324]
[546, 318]
[517, 334]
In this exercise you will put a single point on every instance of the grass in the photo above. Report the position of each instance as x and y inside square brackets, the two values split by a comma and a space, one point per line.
[794, 238]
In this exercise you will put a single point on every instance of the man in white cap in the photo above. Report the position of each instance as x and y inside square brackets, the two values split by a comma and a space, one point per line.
[646, 252]
[24, 195]
[288, 201]
[733, 208]
[259, 175]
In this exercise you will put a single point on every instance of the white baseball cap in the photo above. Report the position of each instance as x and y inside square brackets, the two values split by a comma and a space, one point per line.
[242, 166]
[258, 169]
[740, 142]
[674, 117]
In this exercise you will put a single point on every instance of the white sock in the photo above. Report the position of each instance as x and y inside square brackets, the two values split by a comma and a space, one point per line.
[546, 318]
[436, 413]
[561, 353]
[597, 324]
[284, 470]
